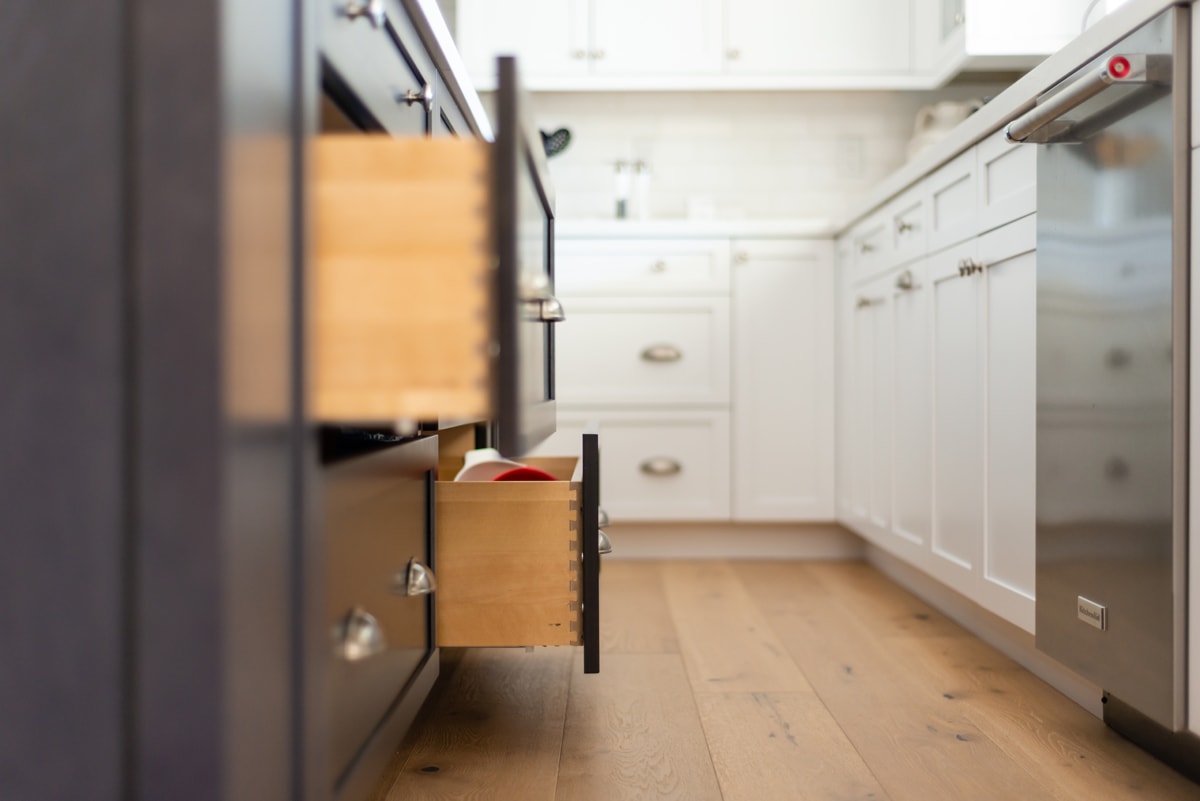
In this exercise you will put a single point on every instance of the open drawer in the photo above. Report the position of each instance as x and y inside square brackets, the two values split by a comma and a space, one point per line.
[518, 562]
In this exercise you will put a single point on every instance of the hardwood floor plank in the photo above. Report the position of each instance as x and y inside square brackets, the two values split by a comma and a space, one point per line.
[632, 732]
[1061, 742]
[918, 744]
[496, 733]
[634, 618]
[782, 746]
[725, 641]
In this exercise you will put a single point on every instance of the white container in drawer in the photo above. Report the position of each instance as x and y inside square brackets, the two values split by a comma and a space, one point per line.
[641, 267]
[1007, 178]
[640, 350]
[654, 465]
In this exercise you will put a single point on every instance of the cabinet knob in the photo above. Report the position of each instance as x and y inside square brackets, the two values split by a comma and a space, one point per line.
[661, 466]
[741, 257]
[866, 247]
[733, 54]
[372, 10]
[597, 54]
[658, 267]
[662, 353]
[862, 303]
[579, 54]
[904, 226]
[358, 636]
[904, 281]
[424, 97]
[605, 544]
[415, 579]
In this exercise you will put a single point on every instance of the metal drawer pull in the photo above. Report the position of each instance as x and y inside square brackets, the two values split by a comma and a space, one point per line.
[905, 281]
[603, 518]
[662, 353]
[863, 303]
[866, 247]
[424, 97]
[605, 544]
[551, 311]
[658, 267]
[373, 10]
[536, 286]
[358, 636]
[416, 579]
[661, 466]
[903, 227]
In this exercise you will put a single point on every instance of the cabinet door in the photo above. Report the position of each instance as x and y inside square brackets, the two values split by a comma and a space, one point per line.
[655, 37]
[843, 366]
[871, 426]
[958, 456]
[548, 37]
[912, 461]
[765, 37]
[1007, 572]
[783, 390]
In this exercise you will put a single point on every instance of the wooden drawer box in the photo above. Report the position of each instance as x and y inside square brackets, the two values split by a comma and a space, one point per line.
[400, 296]
[517, 560]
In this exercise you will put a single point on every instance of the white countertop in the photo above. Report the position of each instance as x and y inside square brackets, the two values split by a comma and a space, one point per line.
[668, 228]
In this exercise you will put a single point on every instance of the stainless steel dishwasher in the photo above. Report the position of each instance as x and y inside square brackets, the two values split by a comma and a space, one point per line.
[1112, 289]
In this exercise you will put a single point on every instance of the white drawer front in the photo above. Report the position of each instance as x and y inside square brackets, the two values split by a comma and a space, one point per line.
[654, 465]
[953, 213]
[637, 351]
[1007, 181]
[871, 244]
[907, 223]
[641, 267]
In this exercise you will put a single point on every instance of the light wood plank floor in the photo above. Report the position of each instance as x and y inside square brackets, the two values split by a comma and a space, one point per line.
[764, 681]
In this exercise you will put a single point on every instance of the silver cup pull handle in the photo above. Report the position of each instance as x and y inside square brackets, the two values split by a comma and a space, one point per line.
[661, 466]
[603, 518]
[358, 636]
[551, 311]
[605, 544]
[415, 579]
[662, 353]
[373, 10]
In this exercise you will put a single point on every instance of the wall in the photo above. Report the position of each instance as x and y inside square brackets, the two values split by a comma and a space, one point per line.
[756, 155]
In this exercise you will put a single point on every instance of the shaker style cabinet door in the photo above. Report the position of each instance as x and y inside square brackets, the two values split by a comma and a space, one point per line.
[782, 332]
[548, 37]
[656, 37]
[766, 37]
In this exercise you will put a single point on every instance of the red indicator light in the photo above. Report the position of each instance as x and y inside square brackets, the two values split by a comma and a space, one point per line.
[1118, 67]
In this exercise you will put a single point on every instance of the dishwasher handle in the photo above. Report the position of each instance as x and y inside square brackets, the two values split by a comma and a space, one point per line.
[1117, 69]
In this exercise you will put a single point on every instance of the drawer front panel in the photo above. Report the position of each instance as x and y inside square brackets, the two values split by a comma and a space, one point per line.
[871, 245]
[377, 64]
[1007, 181]
[655, 465]
[952, 202]
[641, 267]
[508, 563]
[641, 351]
[908, 228]
[376, 520]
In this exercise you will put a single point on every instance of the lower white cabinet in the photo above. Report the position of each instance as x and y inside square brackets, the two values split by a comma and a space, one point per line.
[939, 380]
[714, 400]
[783, 388]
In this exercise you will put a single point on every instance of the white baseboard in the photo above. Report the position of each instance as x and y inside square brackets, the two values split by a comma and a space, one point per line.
[733, 541]
[1015, 643]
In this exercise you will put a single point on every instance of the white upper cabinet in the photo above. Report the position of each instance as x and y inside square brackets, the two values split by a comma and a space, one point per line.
[759, 44]
[656, 37]
[549, 37]
[952, 36]
[849, 37]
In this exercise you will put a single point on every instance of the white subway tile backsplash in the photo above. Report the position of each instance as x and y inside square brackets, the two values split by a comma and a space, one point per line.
[752, 154]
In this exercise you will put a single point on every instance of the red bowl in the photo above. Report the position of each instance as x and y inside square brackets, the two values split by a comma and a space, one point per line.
[524, 474]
